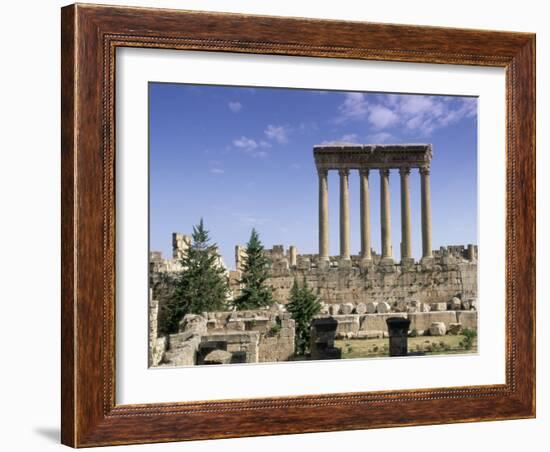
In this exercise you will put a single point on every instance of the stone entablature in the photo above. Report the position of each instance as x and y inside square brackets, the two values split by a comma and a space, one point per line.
[372, 156]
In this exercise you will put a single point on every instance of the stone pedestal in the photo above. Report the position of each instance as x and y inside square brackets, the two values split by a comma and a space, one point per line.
[398, 330]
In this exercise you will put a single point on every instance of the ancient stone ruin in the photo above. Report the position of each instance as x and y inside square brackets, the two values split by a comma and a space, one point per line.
[437, 293]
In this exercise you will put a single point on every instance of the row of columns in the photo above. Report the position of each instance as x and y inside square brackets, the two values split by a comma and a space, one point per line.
[385, 216]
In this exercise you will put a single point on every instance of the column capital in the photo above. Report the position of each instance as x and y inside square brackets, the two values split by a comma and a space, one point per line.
[384, 171]
[343, 171]
[405, 171]
[424, 170]
[322, 172]
[364, 171]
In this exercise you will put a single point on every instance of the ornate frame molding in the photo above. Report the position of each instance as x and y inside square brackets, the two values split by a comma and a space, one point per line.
[90, 36]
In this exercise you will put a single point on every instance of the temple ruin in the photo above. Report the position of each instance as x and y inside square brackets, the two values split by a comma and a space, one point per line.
[358, 292]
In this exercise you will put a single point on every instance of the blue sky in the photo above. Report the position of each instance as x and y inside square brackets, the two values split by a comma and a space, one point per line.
[242, 157]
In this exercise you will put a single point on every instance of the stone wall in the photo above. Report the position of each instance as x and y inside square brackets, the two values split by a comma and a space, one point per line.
[157, 345]
[447, 275]
[253, 336]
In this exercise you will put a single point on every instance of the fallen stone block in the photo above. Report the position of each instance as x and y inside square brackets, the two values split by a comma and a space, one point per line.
[346, 308]
[371, 307]
[438, 329]
[455, 304]
[439, 306]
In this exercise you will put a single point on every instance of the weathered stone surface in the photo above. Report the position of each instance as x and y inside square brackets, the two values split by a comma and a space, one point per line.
[347, 323]
[422, 321]
[439, 306]
[193, 323]
[468, 319]
[377, 322]
[425, 307]
[466, 305]
[454, 304]
[455, 328]
[371, 307]
[346, 308]
[361, 308]
[334, 309]
[438, 329]
[218, 357]
[383, 307]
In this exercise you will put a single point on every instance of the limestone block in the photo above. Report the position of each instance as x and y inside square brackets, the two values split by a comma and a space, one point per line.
[423, 320]
[455, 304]
[193, 323]
[346, 308]
[439, 306]
[347, 323]
[377, 322]
[236, 325]
[361, 308]
[455, 328]
[383, 307]
[468, 319]
[334, 309]
[425, 307]
[438, 329]
[325, 309]
[371, 307]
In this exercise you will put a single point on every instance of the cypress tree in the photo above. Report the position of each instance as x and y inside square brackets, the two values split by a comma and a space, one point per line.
[303, 306]
[255, 293]
[202, 283]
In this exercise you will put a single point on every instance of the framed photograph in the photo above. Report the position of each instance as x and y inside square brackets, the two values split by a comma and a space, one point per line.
[282, 225]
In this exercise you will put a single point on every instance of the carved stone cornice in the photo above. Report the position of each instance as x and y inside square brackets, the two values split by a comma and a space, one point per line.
[335, 157]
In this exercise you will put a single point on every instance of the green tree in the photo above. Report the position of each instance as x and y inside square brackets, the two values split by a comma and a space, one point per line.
[303, 306]
[255, 293]
[202, 285]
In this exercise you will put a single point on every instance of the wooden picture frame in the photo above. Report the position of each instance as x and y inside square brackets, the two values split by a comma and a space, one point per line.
[90, 35]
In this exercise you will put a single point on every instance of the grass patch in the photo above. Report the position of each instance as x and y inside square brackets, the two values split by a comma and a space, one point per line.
[440, 345]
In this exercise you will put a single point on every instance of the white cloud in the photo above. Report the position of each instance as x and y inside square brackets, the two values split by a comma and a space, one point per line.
[354, 106]
[251, 146]
[217, 171]
[235, 107]
[277, 133]
[247, 144]
[417, 115]
[382, 117]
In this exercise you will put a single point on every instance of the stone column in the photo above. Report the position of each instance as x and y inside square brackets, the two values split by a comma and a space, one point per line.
[385, 218]
[344, 214]
[426, 213]
[365, 214]
[406, 242]
[323, 215]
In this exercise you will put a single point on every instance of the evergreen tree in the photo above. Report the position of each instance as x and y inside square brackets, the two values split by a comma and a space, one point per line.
[303, 306]
[255, 294]
[202, 284]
